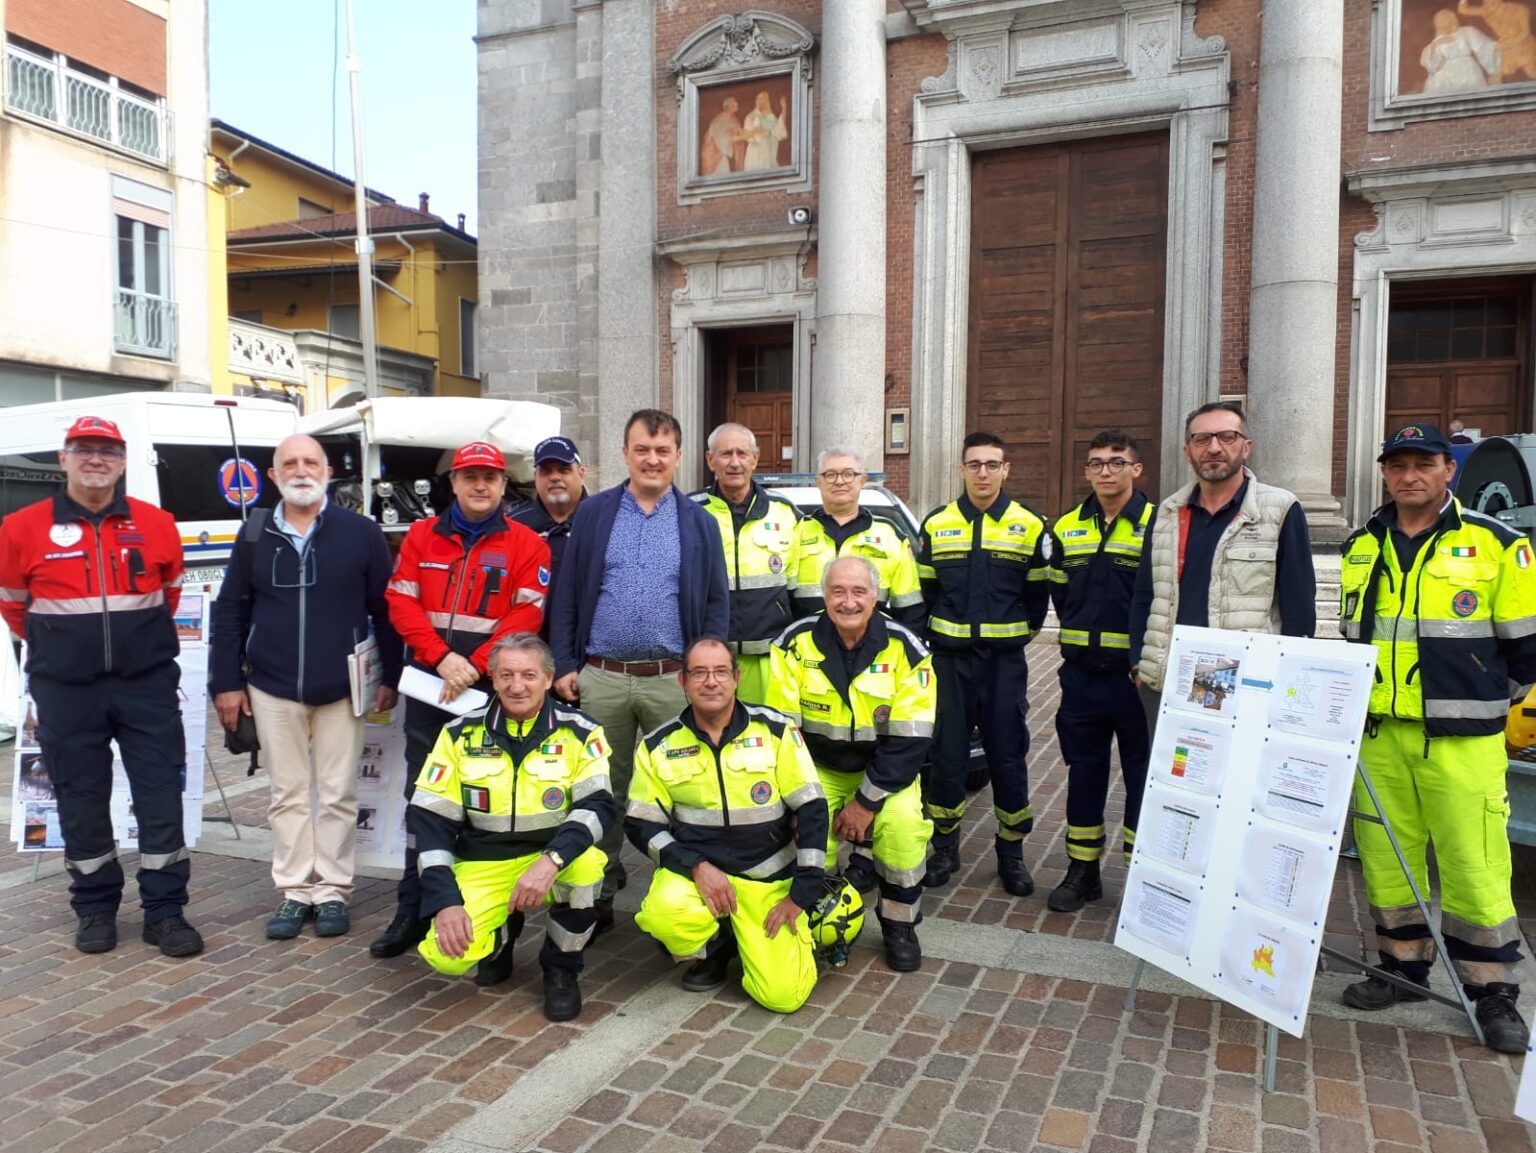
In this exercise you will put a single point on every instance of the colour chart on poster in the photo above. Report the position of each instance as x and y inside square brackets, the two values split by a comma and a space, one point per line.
[1247, 795]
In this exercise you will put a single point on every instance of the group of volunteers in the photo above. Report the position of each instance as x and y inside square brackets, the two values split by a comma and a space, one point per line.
[742, 689]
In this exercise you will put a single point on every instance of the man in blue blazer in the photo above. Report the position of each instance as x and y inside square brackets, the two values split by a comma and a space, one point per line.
[643, 576]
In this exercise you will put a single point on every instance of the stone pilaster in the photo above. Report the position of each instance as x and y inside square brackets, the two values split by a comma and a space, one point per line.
[1294, 304]
[848, 376]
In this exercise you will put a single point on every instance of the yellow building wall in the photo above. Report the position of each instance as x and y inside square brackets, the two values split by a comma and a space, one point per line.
[276, 185]
[218, 285]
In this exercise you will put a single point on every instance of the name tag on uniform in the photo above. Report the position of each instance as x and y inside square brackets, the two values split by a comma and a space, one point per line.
[679, 754]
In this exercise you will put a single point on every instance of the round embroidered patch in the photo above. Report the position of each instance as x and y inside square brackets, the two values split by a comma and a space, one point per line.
[762, 793]
[882, 714]
[1464, 603]
[775, 563]
[554, 798]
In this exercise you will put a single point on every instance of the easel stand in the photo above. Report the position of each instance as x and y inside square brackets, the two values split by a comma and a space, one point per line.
[1459, 1001]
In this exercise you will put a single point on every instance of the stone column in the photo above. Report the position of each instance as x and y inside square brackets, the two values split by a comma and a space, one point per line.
[1293, 311]
[847, 394]
[627, 349]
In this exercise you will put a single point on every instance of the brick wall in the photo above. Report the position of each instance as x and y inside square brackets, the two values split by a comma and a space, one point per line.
[113, 35]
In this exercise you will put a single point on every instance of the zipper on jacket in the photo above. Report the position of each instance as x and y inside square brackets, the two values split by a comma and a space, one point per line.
[455, 570]
[725, 804]
[303, 621]
[106, 613]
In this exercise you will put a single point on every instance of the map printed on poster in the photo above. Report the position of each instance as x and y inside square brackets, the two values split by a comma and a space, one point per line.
[1245, 803]
[35, 810]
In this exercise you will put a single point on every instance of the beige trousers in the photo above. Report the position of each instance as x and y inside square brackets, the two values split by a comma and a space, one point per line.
[311, 754]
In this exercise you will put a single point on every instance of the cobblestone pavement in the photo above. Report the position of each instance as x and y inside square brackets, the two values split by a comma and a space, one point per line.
[313, 1045]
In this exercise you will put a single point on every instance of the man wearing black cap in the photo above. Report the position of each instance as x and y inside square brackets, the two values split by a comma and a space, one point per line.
[1448, 597]
[559, 480]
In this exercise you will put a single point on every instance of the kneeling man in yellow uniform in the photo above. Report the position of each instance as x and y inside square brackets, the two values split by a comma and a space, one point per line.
[726, 801]
[506, 817]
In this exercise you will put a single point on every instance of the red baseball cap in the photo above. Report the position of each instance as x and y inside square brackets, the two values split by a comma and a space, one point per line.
[479, 454]
[95, 428]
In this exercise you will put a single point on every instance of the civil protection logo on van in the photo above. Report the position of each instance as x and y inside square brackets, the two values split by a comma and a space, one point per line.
[239, 482]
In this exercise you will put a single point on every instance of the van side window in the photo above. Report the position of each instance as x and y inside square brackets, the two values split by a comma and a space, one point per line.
[28, 477]
[194, 479]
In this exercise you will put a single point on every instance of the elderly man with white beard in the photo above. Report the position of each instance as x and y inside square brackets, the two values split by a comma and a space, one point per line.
[305, 586]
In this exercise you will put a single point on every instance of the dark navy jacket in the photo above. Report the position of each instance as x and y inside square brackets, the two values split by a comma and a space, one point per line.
[702, 591]
[295, 625]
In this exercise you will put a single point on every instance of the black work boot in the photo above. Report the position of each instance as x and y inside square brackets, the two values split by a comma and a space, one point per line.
[1373, 993]
[173, 936]
[496, 968]
[902, 952]
[1077, 888]
[96, 933]
[943, 863]
[1504, 1030]
[404, 932]
[604, 922]
[1015, 877]
[861, 874]
[562, 995]
[709, 971]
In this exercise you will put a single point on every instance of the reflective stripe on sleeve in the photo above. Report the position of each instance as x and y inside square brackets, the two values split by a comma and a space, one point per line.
[441, 806]
[584, 788]
[1466, 710]
[645, 811]
[804, 793]
[588, 820]
[406, 588]
[85, 606]
[529, 597]
[434, 858]
[909, 728]
[656, 844]
[1512, 630]
[811, 858]
[1453, 630]
[13, 594]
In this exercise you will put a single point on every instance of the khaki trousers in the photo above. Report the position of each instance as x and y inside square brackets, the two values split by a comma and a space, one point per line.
[311, 753]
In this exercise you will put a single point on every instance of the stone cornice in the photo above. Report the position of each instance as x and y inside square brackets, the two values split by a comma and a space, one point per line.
[1378, 185]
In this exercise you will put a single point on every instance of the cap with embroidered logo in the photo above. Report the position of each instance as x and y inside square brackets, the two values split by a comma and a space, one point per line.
[1420, 437]
[560, 448]
[94, 428]
[479, 454]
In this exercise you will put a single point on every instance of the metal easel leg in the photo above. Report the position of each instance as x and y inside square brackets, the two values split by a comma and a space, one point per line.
[1271, 1054]
[37, 866]
[223, 800]
[1434, 929]
[1130, 994]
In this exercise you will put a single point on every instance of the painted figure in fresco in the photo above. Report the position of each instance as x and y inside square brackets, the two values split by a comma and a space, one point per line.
[764, 130]
[1458, 59]
[1510, 23]
[721, 150]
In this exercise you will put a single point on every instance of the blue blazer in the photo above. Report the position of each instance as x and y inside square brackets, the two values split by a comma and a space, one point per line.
[702, 587]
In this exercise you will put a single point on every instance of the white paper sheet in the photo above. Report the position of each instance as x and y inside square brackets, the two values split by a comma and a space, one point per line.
[425, 687]
[1318, 698]
[1160, 907]
[1287, 872]
[1304, 784]
[1206, 678]
[1267, 961]
[1176, 829]
[1191, 753]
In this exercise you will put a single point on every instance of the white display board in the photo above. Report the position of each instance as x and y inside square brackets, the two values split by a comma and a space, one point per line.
[34, 809]
[1246, 800]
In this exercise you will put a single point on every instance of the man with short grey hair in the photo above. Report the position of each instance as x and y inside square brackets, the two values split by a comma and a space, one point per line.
[759, 534]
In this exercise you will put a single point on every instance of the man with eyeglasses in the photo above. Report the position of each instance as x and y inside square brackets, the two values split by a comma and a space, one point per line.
[725, 799]
[1093, 579]
[841, 527]
[506, 816]
[1226, 551]
[984, 562]
[91, 578]
[305, 585]
[464, 579]
[760, 534]
[861, 689]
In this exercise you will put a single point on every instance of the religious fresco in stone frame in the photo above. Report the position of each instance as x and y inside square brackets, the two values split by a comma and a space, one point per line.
[745, 110]
[745, 126]
[1438, 58]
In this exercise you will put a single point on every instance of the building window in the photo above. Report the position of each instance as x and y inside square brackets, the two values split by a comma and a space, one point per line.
[345, 321]
[467, 339]
[309, 210]
[145, 307]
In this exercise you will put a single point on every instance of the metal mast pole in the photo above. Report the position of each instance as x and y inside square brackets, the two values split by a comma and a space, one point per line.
[364, 242]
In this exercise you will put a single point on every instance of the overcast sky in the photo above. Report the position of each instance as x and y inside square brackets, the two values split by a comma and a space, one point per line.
[272, 65]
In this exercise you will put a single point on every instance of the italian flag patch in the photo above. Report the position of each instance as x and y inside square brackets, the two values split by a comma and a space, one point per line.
[1466, 550]
[597, 747]
[1523, 555]
[436, 773]
[922, 677]
[552, 749]
[750, 742]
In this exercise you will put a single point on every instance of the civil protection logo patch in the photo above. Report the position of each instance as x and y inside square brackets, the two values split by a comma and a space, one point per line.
[882, 714]
[762, 793]
[775, 563]
[1464, 603]
[553, 798]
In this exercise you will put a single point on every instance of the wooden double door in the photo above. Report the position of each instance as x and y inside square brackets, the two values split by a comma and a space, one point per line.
[1068, 267]
[750, 381]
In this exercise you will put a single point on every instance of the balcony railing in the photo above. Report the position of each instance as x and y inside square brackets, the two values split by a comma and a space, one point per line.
[51, 90]
[145, 325]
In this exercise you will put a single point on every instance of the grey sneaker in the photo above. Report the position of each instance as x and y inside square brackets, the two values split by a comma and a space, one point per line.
[288, 921]
[331, 919]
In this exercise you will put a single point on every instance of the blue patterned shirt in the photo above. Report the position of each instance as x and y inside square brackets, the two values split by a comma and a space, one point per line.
[637, 617]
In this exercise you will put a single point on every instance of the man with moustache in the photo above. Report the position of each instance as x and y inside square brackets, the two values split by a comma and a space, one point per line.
[559, 483]
[645, 578]
[760, 534]
[91, 579]
[305, 586]
[1226, 551]
[463, 580]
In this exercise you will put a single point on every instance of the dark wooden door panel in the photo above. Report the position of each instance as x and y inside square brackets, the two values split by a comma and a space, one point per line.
[1068, 261]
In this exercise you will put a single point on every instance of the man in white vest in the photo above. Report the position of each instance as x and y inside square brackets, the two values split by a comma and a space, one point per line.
[1225, 552]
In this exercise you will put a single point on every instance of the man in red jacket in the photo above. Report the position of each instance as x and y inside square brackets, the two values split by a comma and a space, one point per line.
[464, 579]
[92, 579]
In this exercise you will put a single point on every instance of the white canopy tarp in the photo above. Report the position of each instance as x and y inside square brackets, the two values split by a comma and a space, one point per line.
[445, 422]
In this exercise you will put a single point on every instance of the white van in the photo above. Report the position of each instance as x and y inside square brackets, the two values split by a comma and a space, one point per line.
[202, 458]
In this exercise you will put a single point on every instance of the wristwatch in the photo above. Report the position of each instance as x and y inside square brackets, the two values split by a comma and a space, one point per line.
[555, 857]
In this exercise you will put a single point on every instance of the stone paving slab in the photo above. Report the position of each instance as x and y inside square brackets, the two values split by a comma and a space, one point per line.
[313, 1044]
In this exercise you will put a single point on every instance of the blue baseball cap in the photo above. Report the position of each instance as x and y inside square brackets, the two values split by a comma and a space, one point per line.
[1426, 438]
[561, 448]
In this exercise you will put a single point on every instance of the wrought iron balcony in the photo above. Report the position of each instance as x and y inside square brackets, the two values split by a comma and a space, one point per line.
[48, 89]
[145, 325]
